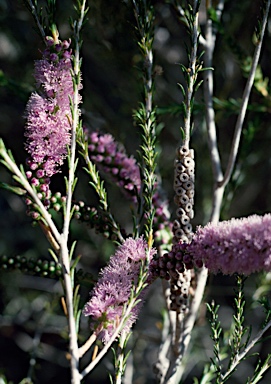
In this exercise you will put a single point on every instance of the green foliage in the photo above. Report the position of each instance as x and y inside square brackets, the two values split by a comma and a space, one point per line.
[231, 347]
[238, 332]
[106, 222]
[220, 352]
[145, 116]
[260, 369]
[147, 122]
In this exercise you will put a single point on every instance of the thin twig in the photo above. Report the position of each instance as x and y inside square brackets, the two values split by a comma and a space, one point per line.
[100, 189]
[64, 251]
[192, 76]
[238, 358]
[120, 358]
[245, 98]
[85, 347]
[209, 46]
[35, 15]
[192, 316]
[210, 39]
[146, 117]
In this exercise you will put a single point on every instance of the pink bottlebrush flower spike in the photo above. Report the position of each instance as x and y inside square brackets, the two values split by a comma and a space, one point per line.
[48, 111]
[240, 246]
[235, 246]
[113, 289]
[112, 159]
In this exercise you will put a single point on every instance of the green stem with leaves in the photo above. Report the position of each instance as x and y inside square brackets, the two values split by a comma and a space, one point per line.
[184, 325]
[66, 254]
[98, 184]
[146, 116]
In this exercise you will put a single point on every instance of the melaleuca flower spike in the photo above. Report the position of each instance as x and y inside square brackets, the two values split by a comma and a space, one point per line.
[112, 159]
[48, 111]
[234, 246]
[113, 289]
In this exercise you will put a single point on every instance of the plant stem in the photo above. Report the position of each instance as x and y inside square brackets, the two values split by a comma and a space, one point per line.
[64, 251]
[245, 98]
[220, 181]
[183, 324]
[192, 76]
[209, 46]
[33, 10]
[239, 357]
[120, 359]
[145, 27]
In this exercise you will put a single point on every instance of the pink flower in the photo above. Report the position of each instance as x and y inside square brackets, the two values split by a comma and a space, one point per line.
[240, 246]
[111, 158]
[236, 246]
[113, 289]
[48, 111]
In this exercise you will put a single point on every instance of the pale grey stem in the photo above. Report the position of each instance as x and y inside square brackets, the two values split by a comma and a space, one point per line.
[163, 361]
[175, 354]
[74, 354]
[192, 316]
[75, 121]
[64, 251]
[218, 194]
[210, 39]
[86, 346]
[181, 13]
[175, 374]
[208, 97]
[168, 334]
[245, 98]
[238, 358]
[129, 370]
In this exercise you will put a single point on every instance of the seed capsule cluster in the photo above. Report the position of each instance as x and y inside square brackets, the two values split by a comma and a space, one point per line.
[179, 292]
[176, 266]
[184, 178]
[42, 268]
[37, 267]
[184, 198]
[97, 220]
[172, 263]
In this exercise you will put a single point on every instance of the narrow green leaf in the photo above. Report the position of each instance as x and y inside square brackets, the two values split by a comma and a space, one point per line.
[16, 190]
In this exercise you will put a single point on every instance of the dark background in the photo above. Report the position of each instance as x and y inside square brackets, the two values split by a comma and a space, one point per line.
[31, 320]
